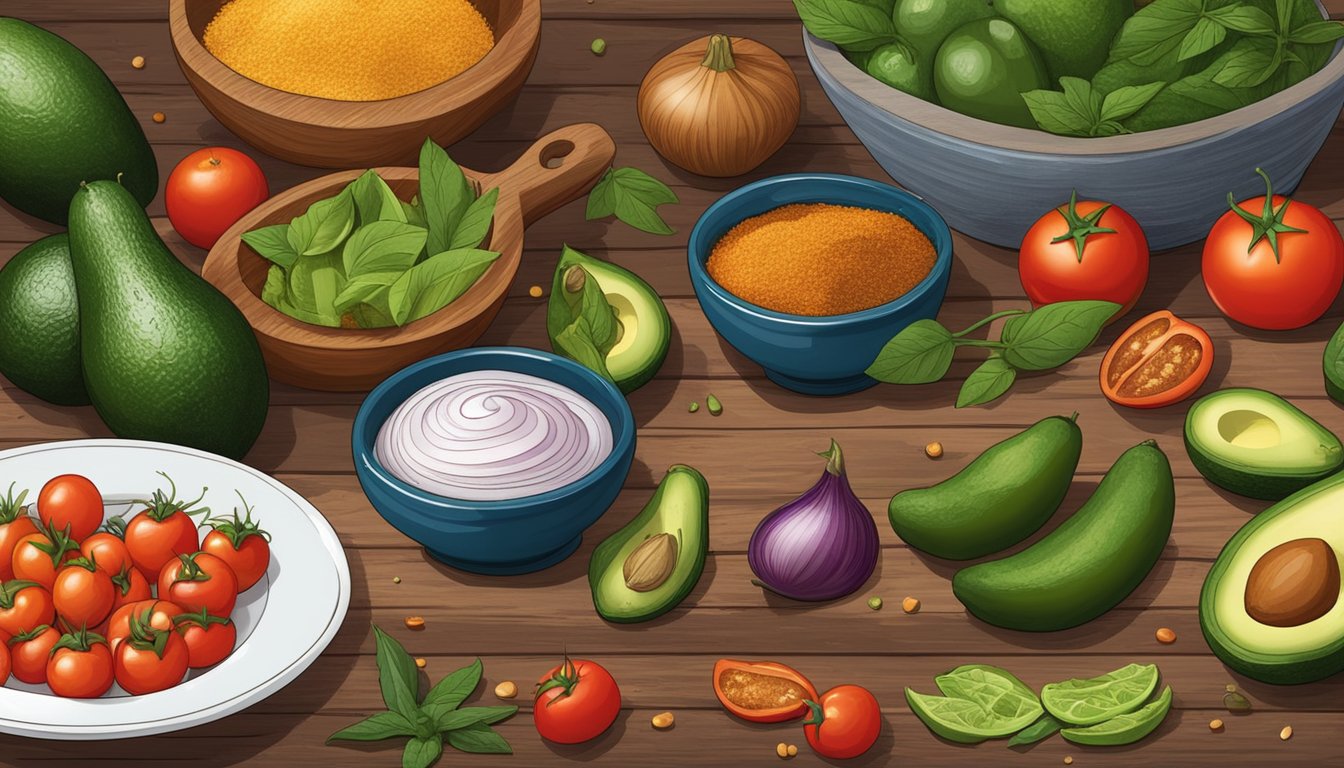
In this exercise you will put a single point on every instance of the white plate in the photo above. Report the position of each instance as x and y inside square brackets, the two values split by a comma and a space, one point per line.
[284, 622]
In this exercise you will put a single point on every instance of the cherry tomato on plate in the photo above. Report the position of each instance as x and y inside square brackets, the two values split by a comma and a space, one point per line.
[38, 556]
[80, 666]
[14, 525]
[4, 658]
[150, 659]
[159, 614]
[24, 605]
[29, 652]
[71, 504]
[241, 544]
[1084, 250]
[84, 594]
[131, 587]
[210, 639]
[210, 190]
[1273, 263]
[199, 582]
[108, 548]
[576, 702]
[161, 532]
[845, 722]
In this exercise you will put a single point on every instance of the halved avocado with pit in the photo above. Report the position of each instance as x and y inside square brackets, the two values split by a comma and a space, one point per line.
[1257, 444]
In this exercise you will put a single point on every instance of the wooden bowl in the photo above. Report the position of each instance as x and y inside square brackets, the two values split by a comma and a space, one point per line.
[993, 181]
[328, 133]
[559, 168]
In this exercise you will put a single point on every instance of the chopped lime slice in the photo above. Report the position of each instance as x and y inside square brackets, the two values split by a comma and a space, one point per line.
[1097, 699]
[1123, 729]
[982, 702]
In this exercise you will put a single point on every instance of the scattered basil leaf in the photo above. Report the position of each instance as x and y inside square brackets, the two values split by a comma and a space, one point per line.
[577, 343]
[446, 718]
[384, 725]
[479, 739]
[436, 282]
[1040, 730]
[422, 751]
[445, 195]
[324, 226]
[919, 354]
[1054, 334]
[382, 246]
[857, 26]
[272, 243]
[989, 382]
[456, 686]
[582, 324]
[475, 223]
[374, 200]
[632, 196]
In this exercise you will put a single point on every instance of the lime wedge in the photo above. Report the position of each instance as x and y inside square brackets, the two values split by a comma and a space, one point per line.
[1123, 729]
[981, 702]
[1097, 699]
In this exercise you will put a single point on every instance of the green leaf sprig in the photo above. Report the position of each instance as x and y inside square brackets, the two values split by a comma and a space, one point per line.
[1035, 340]
[431, 720]
[632, 196]
[853, 24]
[580, 321]
[1079, 110]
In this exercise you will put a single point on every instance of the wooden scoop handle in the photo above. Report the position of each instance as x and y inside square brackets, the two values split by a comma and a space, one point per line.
[558, 168]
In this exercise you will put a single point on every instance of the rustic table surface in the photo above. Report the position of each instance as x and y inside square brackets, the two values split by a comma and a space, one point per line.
[757, 455]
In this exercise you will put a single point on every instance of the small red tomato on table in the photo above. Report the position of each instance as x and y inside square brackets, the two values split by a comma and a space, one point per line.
[844, 723]
[210, 190]
[1085, 250]
[576, 702]
[239, 542]
[1273, 263]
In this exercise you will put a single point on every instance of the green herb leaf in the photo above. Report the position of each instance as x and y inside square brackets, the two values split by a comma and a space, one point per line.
[364, 288]
[920, 354]
[577, 343]
[1126, 100]
[1156, 30]
[1054, 113]
[382, 246]
[448, 719]
[1206, 35]
[478, 739]
[1317, 33]
[633, 196]
[436, 282]
[1040, 730]
[990, 381]
[1246, 19]
[475, 223]
[272, 243]
[276, 288]
[422, 752]
[324, 226]
[1251, 65]
[384, 725]
[1054, 334]
[314, 283]
[414, 215]
[374, 200]
[396, 676]
[445, 196]
[857, 26]
[560, 307]
[455, 687]
[373, 313]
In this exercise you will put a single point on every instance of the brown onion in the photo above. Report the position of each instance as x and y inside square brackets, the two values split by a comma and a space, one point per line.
[719, 106]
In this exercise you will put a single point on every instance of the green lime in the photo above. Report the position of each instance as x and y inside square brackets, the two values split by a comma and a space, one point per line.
[1123, 729]
[981, 702]
[1097, 699]
[895, 65]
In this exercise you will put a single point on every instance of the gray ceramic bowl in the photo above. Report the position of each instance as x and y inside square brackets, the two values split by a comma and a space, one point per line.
[993, 181]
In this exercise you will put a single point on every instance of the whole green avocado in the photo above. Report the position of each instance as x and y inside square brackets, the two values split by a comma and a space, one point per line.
[62, 122]
[39, 323]
[166, 356]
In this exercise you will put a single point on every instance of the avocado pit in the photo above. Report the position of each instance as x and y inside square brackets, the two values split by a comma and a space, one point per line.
[1294, 583]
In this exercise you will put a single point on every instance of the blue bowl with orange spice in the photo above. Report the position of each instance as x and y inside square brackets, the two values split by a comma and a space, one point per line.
[817, 354]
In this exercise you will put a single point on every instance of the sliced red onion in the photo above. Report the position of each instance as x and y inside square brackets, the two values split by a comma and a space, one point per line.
[493, 435]
[822, 545]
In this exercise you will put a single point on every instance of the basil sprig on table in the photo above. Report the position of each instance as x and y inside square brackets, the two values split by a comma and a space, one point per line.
[632, 196]
[365, 259]
[580, 321]
[1035, 340]
[428, 722]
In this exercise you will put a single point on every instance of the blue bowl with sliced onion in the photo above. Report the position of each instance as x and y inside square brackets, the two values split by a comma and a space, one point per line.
[495, 459]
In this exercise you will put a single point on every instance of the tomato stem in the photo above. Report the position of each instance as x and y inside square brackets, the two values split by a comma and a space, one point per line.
[11, 508]
[1269, 224]
[566, 678]
[160, 507]
[817, 715]
[237, 529]
[1082, 227]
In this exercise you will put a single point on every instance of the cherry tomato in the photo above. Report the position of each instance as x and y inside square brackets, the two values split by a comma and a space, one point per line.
[30, 651]
[14, 525]
[4, 660]
[24, 605]
[210, 639]
[150, 659]
[576, 702]
[1158, 361]
[38, 555]
[210, 190]
[80, 667]
[1273, 263]
[200, 582]
[752, 691]
[84, 594]
[241, 544]
[71, 503]
[844, 723]
[161, 615]
[161, 532]
[107, 550]
[1084, 250]
[131, 587]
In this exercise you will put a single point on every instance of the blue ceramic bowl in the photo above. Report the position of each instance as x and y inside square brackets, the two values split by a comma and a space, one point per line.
[815, 355]
[495, 537]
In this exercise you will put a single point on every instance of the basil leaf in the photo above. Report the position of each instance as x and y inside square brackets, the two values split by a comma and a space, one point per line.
[1206, 35]
[920, 354]
[422, 752]
[276, 289]
[314, 283]
[990, 381]
[436, 282]
[1042, 729]
[478, 739]
[595, 309]
[445, 195]
[374, 200]
[1243, 18]
[364, 288]
[1055, 113]
[633, 196]
[272, 243]
[382, 246]
[1251, 65]
[1126, 100]
[857, 26]
[1317, 32]
[455, 687]
[576, 342]
[384, 725]
[413, 214]
[1054, 334]
[448, 719]
[1079, 95]
[373, 313]
[324, 226]
[396, 675]
[1156, 30]
[561, 310]
[475, 223]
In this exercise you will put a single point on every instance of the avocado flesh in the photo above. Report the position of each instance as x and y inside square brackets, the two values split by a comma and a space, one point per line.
[1284, 655]
[680, 507]
[1257, 444]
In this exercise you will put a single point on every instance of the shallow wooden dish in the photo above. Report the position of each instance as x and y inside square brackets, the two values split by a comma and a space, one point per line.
[344, 134]
[558, 168]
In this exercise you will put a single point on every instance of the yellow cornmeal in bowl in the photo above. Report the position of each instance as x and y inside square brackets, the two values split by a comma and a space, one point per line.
[349, 50]
[818, 259]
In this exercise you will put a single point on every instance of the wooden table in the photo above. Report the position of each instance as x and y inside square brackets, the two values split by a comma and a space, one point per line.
[756, 456]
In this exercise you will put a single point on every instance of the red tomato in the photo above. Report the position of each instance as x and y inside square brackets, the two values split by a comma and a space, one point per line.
[210, 190]
[72, 504]
[161, 615]
[107, 550]
[576, 702]
[210, 639]
[38, 555]
[200, 582]
[24, 605]
[131, 587]
[4, 661]
[14, 525]
[161, 532]
[1273, 263]
[150, 659]
[80, 667]
[241, 544]
[1157, 361]
[84, 594]
[30, 651]
[1084, 250]
[845, 723]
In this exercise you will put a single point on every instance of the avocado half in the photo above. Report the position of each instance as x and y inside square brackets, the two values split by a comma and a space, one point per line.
[1273, 654]
[1257, 444]
[678, 512]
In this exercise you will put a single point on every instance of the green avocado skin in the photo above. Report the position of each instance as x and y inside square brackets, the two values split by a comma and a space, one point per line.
[62, 122]
[1074, 36]
[166, 356]
[39, 323]
[1333, 366]
[1090, 563]
[983, 68]
[1006, 494]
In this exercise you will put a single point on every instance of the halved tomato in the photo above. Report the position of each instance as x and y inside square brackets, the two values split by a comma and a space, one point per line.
[762, 691]
[1157, 361]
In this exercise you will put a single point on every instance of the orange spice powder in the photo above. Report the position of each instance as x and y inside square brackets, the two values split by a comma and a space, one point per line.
[818, 259]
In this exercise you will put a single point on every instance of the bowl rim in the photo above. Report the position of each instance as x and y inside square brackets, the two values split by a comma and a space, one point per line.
[933, 117]
[623, 434]
[698, 248]
[511, 50]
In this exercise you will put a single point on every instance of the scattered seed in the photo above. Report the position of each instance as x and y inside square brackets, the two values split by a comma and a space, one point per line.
[782, 749]
[875, 603]
[138, 62]
[396, 579]
[421, 663]
[693, 407]
[599, 46]
[663, 720]
[1286, 733]
[506, 690]
[590, 2]
[535, 291]
[1231, 688]
[714, 406]
[793, 750]
[159, 117]
[1068, 759]
[415, 622]
[1215, 725]
[1235, 702]
[910, 605]
[933, 450]
[1166, 635]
